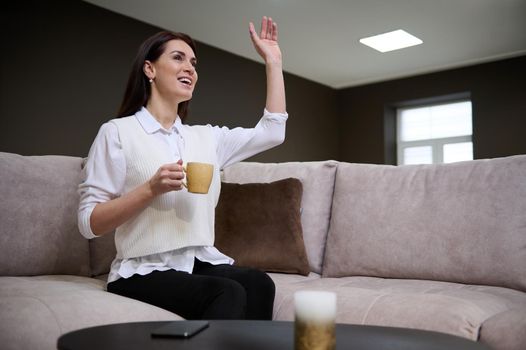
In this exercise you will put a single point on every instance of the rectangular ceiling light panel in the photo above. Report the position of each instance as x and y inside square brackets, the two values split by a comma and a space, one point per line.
[395, 40]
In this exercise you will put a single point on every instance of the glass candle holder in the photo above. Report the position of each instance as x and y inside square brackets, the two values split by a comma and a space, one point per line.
[314, 324]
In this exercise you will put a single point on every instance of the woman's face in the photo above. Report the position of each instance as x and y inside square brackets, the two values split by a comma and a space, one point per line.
[174, 71]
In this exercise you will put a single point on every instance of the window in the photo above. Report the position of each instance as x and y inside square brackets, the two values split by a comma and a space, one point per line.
[435, 133]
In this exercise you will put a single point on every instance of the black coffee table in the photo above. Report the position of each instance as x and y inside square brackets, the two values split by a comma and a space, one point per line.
[256, 335]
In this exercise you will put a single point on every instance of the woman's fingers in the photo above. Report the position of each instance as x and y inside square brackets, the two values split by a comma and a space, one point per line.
[170, 185]
[253, 34]
[173, 167]
[176, 175]
[172, 174]
[266, 44]
[264, 28]
[270, 28]
[175, 184]
[274, 31]
[167, 178]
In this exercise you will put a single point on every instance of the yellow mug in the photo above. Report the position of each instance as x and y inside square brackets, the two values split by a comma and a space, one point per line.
[198, 177]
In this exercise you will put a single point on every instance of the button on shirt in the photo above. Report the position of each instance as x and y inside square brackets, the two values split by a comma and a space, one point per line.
[105, 173]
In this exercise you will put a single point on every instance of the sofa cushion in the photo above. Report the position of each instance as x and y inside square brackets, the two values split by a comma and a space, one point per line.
[102, 252]
[505, 331]
[101, 249]
[286, 285]
[459, 222]
[259, 225]
[445, 307]
[45, 307]
[318, 184]
[38, 215]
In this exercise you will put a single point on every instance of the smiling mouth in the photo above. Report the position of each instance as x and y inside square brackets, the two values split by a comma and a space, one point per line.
[185, 81]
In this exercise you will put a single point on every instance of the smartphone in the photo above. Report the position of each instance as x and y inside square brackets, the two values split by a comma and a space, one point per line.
[180, 329]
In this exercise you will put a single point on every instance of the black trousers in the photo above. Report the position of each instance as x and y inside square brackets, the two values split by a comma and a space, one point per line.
[211, 292]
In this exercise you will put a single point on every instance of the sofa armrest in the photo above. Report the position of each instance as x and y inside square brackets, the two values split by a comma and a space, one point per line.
[505, 330]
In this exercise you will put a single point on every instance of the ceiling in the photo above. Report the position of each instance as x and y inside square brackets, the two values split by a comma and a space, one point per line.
[319, 38]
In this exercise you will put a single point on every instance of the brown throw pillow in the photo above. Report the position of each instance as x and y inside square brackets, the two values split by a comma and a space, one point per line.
[259, 225]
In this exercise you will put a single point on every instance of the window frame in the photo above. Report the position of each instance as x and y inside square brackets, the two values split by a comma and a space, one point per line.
[437, 144]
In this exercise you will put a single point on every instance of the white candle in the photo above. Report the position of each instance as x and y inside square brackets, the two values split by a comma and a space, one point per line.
[315, 306]
[314, 327]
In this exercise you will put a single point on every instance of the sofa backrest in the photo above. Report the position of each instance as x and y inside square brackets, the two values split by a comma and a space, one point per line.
[318, 183]
[459, 222]
[38, 216]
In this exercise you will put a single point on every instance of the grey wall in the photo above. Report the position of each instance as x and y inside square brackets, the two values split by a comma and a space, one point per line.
[498, 95]
[64, 66]
[231, 91]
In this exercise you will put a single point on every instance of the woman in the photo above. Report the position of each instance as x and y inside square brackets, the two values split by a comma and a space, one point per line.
[133, 184]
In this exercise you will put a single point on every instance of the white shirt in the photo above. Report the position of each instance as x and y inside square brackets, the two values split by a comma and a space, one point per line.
[105, 173]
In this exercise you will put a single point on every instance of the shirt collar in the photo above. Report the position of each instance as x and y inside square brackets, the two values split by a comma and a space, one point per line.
[151, 125]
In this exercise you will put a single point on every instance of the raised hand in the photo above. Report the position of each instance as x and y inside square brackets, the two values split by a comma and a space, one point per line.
[266, 43]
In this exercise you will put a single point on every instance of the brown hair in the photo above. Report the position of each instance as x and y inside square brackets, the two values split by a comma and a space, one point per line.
[138, 89]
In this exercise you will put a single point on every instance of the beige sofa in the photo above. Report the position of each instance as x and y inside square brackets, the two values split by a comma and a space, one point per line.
[439, 247]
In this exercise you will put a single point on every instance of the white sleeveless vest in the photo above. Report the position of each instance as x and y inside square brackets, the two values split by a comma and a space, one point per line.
[173, 220]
